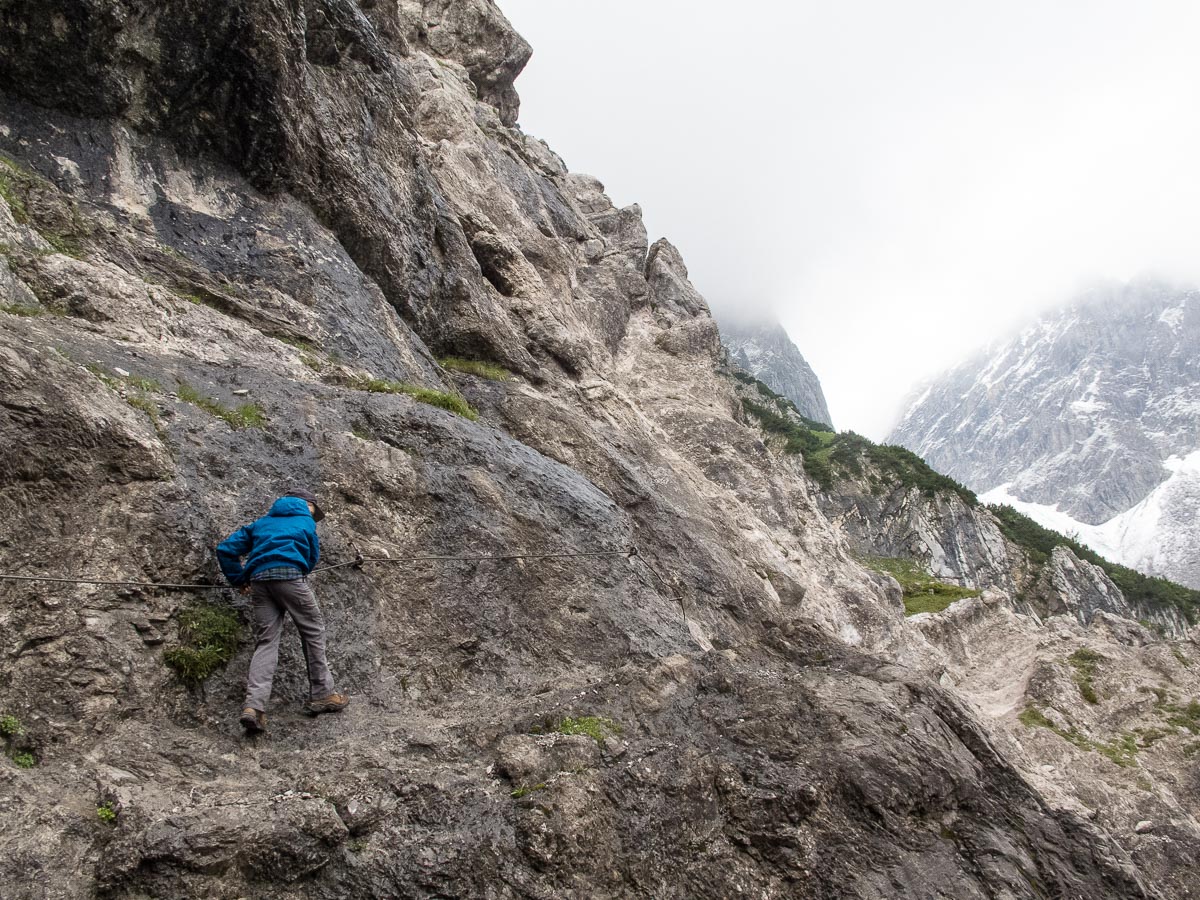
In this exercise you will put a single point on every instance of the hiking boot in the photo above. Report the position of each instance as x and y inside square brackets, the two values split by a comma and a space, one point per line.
[253, 720]
[332, 703]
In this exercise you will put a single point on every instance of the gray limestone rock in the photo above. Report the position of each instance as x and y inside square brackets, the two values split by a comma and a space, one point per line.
[308, 202]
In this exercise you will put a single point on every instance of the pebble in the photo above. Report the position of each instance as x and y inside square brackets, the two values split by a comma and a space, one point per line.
[1143, 826]
[241, 393]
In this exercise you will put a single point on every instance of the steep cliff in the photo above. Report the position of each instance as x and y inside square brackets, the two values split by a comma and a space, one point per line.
[241, 244]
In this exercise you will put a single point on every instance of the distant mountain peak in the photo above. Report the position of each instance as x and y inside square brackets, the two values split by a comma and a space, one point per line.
[1079, 417]
[763, 348]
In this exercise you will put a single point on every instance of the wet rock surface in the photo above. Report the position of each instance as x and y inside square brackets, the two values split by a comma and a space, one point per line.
[221, 229]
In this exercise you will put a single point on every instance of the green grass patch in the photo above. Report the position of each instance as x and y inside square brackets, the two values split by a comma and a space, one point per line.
[299, 343]
[1085, 662]
[130, 386]
[19, 309]
[1040, 542]
[1182, 657]
[12, 177]
[63, 242]
[1122, 750]
[451, 402]
[1148, 737]
[1187, 717]
[106, 813]
[922, 592]
[596, 727]
[246, 415]
[145, 405]
[209, 635]
[477, 367]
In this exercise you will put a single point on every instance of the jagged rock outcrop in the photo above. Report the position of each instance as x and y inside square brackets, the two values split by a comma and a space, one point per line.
[230, 234]
[1087, 420]
[766, 351]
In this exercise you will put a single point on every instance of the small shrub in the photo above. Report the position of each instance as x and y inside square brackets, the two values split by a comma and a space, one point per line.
[10, 727]
[482, 369]
[8, 190]
[24, 759]
[147, 385]
[209, 635]
[1148, 737]
[451, 402]
[106, 813]
[247, 415]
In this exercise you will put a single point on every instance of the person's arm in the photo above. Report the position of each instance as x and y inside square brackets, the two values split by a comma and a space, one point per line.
[230, 552]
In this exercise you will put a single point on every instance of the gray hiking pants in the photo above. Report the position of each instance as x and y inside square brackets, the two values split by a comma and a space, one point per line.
[271, 600]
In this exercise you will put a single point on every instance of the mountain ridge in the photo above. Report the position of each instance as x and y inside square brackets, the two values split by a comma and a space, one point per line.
[1081, 415]
[263, 245]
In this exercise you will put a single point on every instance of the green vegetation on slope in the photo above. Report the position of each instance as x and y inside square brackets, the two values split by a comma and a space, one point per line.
[829, 456]
[922, 592]
[1085, 663]
[1142, 589]
[451, 402]
[1122, 750]
[488, 370]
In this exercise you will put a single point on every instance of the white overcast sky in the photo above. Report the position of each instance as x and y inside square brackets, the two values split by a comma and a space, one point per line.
[900, 182]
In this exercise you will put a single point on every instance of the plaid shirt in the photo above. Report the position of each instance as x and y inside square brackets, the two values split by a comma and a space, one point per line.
[280, 573]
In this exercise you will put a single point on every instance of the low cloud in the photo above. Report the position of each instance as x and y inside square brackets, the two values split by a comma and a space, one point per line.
[899, 183]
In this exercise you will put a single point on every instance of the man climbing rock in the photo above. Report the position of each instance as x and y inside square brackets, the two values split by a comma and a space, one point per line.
[280, 550]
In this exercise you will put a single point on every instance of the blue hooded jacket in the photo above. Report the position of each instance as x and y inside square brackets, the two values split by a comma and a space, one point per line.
[285, 536]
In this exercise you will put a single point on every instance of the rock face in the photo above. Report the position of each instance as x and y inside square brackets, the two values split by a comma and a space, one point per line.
[765, 351]
[1089, 419]
[231, 233]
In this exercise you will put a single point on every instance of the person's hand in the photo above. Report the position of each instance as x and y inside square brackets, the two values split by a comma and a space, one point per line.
[244, 589]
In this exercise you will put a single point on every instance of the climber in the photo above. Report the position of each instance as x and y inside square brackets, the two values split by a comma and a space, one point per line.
[280, 550]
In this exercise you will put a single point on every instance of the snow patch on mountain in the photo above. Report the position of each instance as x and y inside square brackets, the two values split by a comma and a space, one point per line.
[1156, 536]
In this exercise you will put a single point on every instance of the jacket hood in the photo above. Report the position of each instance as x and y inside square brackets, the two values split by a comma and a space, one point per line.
[289, 506]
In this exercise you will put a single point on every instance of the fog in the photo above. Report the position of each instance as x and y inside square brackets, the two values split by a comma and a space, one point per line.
[899, 183]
